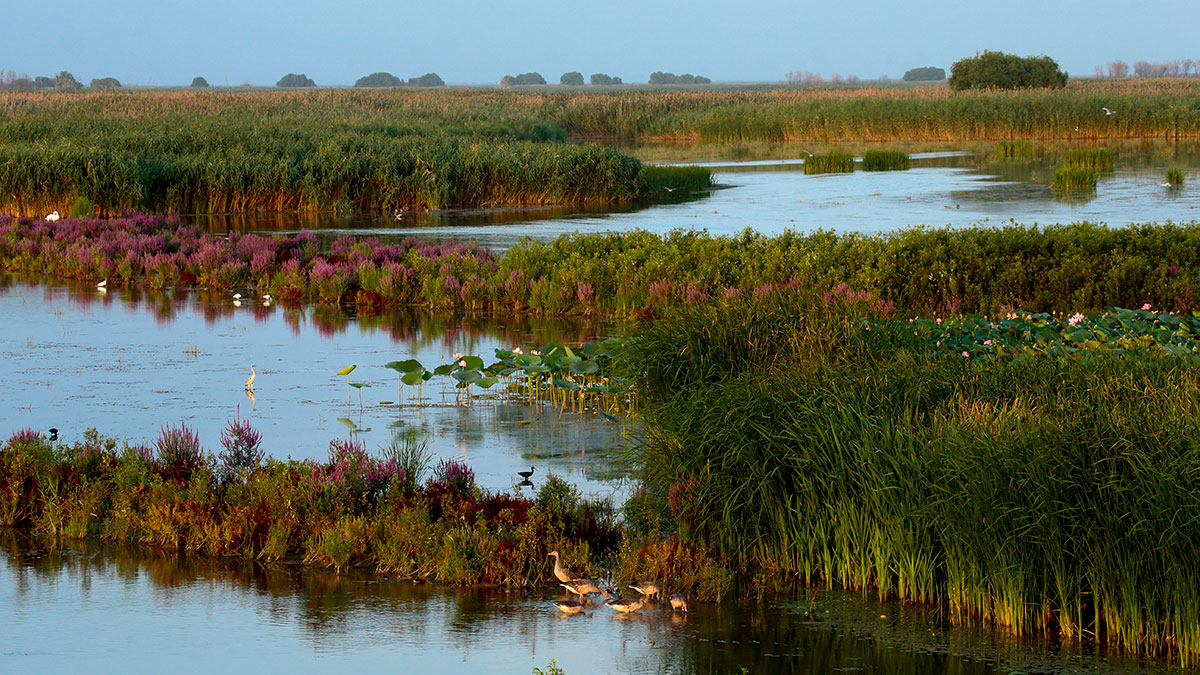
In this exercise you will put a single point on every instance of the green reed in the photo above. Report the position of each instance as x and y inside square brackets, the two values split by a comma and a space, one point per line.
[676, 180]
[886, 160]
[1099, 160]
[832, 162]
[1048, 493]
[1175, 176]
[1073, 178]
[1016, 149]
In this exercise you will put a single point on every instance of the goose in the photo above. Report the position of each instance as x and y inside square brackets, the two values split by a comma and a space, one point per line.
[561, 573]
[678, 602]
[582, 587]
[648, 589]
[250, 380]
[572, 606]
[626, 606]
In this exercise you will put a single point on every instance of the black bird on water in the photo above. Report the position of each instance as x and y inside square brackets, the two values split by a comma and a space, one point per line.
[53, 434]
[525, 474]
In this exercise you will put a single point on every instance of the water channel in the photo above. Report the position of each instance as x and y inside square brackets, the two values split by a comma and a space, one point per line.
[128, 361]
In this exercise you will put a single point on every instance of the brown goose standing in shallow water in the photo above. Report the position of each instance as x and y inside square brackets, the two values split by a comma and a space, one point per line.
[678, 602]
[582, 587]
[561, 573]
[648, 589]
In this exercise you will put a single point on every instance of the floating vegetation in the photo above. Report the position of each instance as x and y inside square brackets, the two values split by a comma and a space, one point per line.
[833, 162]
[1016, 149]
[1099, 160]
[1073, 178]
[1174, 176]
[886, 160]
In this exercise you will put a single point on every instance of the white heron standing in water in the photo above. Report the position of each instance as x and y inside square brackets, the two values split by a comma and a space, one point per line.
[250, 380]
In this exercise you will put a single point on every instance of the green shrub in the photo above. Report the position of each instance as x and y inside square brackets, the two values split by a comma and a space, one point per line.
[295, 80]
[1005, 71]
[572, 78]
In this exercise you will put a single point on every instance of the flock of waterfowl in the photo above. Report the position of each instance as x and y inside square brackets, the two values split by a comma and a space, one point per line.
[581, 587]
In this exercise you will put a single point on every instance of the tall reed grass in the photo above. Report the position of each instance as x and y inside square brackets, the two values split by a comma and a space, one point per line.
[1099, 160]
[1047, 493]
[886, 160]
[832, 162]
[1073, 178]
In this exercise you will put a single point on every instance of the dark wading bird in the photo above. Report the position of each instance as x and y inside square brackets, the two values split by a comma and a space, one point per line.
[525, 474]
[53, 434]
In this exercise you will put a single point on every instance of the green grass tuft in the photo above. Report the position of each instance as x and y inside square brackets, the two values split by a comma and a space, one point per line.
[834, 162]
[886, 160]
[1175, 176]
[1073, 178]
[1096, 159]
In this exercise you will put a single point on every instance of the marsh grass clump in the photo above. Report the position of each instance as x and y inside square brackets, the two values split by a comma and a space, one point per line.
[833, 162]
[1099, 160]
[886, 160]
[178, 451]
[1073, 178]
[1175, 176]
[1016, 150]
[409, 450]
[676, 180]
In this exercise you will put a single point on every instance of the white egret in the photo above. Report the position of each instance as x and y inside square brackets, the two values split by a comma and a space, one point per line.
[250, 380]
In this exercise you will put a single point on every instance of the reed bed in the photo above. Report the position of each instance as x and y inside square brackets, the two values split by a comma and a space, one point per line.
[1099, 160]
[1073, 178]
[676, 180]
[886, 160]
[1174, 176]
[1016, 150]
[921, 271]
[832, 162]
[1044, 492]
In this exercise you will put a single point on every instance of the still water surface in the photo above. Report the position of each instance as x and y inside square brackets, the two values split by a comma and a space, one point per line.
[91, 607]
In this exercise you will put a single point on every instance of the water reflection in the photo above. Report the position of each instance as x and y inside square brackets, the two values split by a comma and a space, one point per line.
[140, 607]
[129, 361]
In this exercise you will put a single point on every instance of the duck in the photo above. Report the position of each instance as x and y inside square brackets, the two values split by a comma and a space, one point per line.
[572, 606]
[626, 605]
[648, 589]
[561, 573]
[679, 602]
[582, 587]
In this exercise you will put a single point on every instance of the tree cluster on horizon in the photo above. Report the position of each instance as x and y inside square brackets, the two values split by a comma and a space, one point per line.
[386, 79]
[1005, 71]
[1169, 68]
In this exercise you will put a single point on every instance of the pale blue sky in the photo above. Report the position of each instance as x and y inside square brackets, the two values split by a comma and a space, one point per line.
[476, 42]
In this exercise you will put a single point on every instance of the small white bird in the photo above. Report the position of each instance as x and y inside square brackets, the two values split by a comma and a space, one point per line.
[1108, 112]
[237, 296]
[53, 217]
[267, 297]
[102, 284]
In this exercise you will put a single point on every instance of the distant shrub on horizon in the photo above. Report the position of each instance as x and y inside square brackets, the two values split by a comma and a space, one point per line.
[659, 77]
[523, 78]
[104, 83]
[601, 78]
[573, 78]
[426, 80]
[380, 79]
[1005, 71]
[294, 80]
[199, 82]
[925, 74]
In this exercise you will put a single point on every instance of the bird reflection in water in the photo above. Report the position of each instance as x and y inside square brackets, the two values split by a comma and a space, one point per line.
[250, 395]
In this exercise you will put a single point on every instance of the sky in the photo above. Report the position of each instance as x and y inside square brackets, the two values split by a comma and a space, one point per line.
[230, 42]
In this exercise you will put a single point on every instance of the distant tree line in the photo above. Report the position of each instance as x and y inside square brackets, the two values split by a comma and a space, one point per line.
[926, 74]
[1171, 68]
[1005, 71]
[659, 77]
[64, 80]
[384, 79]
